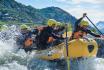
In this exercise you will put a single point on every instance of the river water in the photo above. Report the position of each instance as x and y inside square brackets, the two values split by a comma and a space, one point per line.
[11, 59]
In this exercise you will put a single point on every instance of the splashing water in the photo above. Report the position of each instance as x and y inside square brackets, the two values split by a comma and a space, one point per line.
[10, 59]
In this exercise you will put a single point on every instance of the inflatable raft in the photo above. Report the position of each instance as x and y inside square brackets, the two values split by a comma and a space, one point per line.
[76, 48]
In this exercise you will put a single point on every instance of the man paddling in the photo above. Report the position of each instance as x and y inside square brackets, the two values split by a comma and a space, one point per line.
[47, 35]
[81, 29]
[24, 39]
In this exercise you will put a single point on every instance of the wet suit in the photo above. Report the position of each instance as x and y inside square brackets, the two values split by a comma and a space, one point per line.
[43, 37]
[79, 28]
[23, 37]
[59, 31]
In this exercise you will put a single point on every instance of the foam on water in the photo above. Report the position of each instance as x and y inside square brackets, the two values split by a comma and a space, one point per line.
[13, 66]
[11, 59]
[92, 64]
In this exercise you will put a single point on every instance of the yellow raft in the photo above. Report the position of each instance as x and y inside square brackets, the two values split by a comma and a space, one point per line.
[76, 48]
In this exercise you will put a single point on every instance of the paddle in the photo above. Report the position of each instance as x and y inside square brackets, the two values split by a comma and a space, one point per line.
[94, 26]
[66, 43]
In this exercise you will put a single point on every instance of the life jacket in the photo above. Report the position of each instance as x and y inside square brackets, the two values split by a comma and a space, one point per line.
[28, 42]
[79, 34]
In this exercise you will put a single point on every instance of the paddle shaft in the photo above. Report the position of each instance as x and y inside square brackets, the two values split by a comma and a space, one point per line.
[67, 59]
[66, 41]
[94, 26]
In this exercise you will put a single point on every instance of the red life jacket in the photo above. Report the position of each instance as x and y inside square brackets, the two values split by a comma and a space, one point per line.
[79, 34]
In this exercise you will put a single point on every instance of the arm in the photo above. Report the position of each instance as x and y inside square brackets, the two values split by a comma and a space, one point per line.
[91, 33]
[57, 37]
[78, 21]
[60, 29]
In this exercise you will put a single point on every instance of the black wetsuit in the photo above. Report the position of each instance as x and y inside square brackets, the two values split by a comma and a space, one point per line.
[43, 37]
[79, 28]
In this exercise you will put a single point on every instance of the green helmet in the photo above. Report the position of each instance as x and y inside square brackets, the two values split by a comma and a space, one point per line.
[84, 23]
[23, 26]
[51, 22]
[59, 23]
[4, 27]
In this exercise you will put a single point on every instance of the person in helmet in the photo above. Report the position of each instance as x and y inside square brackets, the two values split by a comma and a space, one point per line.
[46, 35]
[81, 29]
[4, 27]
[24, 39]
[59, 30]
[51, 22]
[5, 34]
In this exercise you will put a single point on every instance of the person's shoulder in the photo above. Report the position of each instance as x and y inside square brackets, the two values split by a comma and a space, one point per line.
[48, 28]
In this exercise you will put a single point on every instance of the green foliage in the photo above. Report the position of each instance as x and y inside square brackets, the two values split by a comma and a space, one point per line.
[2, 23]
[27, 14]
[69, 27]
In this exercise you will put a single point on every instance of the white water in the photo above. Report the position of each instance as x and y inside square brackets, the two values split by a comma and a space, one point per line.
[10, 59]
